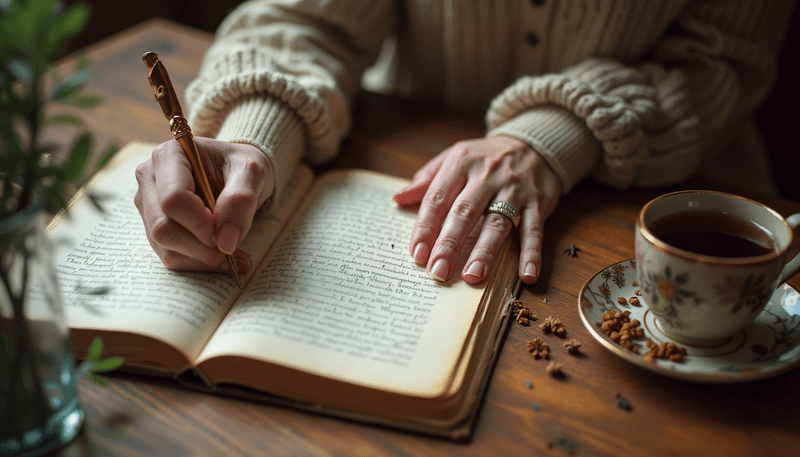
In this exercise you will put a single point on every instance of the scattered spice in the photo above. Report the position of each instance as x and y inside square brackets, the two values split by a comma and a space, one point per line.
[623, 402]
[634, 301]
[622, 329]
[664, 350]
[567, 445]
[622, 301]
[573, 346]
[535, 406]
[554, 368]
[554, 325]
[637, 291]
[522, 314]
[544, 300]
[572, 250]
[635, 283]
[538, 349]
[529, 384]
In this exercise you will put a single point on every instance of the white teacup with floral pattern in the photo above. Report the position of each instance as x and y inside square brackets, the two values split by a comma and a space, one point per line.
[710, 289]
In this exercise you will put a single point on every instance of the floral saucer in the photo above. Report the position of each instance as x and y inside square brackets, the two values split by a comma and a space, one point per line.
[770, 345]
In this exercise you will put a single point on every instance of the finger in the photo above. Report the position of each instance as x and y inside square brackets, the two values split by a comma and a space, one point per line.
[462, 216]
[432, 213]
[238, 202]
[494, 231]
[177, 199]
[165, 235]
[177, 261]
[415, 191]
[531, 237]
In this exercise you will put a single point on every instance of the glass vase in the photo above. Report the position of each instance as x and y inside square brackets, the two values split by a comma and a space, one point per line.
[39, 409]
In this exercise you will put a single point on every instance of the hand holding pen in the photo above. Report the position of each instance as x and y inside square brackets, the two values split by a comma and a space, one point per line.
[187, 231]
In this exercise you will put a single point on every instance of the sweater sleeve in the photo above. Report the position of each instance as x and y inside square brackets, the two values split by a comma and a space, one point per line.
[282, 75]
[651, 123]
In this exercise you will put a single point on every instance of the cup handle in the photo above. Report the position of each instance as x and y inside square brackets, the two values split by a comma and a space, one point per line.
[793, 265]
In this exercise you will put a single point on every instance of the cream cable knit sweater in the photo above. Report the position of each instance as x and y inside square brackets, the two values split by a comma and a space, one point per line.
[631, 92]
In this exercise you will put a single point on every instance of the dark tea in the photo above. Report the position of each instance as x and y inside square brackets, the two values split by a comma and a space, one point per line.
[713, 234]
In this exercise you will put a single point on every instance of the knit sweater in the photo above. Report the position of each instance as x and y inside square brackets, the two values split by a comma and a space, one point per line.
[640, 93]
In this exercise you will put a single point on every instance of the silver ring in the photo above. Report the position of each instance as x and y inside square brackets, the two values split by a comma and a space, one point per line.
[507, 210]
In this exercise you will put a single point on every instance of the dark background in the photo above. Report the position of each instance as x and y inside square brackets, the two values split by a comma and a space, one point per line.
[778, 117]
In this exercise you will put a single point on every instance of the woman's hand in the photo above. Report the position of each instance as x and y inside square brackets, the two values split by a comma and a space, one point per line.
[182, 231]
[455, 188]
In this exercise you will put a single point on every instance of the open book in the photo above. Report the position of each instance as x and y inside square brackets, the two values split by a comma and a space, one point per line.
[336, 317]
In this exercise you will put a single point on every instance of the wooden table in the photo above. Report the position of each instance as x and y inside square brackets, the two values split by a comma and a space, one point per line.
[137, 416]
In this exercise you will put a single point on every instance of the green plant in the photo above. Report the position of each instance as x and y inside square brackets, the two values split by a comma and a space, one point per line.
[35, 175]
[33, 34]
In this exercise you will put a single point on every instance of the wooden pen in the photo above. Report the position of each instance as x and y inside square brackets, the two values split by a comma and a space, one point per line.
[168, 100]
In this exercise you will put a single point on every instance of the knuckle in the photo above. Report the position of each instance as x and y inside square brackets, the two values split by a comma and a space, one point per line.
[463, 210]
[161, 230]
[497, 222]
[434, 198]
[143, 172]
[482, 252]
[447, 244]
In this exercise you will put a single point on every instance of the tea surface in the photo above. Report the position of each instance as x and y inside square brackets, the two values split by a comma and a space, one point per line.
[713, 234]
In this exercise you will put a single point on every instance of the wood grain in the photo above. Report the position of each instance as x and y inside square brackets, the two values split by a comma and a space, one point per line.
[136, 416]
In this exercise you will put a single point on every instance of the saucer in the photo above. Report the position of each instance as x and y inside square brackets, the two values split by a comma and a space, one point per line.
[769, 346]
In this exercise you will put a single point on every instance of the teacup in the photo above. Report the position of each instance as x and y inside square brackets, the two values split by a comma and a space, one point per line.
[708, 262]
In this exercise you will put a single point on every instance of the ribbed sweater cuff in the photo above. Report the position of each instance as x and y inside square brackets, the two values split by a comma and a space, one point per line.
[273, 128]
[560, 137]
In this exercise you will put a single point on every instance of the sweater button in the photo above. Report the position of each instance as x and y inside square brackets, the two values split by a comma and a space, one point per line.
[531, 38]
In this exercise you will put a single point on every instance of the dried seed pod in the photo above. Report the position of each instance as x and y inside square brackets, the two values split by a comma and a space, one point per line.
[554, 368]
[573, 346]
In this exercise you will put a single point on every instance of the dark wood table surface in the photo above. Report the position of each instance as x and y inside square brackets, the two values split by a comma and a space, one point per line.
[142, 416]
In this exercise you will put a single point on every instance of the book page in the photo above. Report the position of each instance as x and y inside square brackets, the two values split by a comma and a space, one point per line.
[111, 279]
[339, 296]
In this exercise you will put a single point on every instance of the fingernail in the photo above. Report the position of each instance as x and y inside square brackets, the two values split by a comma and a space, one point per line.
[475, 269]
[228, 238]
[243, 262]
[421, 253]
[440, 270]
[530, 270]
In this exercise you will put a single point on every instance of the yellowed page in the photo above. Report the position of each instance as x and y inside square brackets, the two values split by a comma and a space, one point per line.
[109, 252]
[339, 296]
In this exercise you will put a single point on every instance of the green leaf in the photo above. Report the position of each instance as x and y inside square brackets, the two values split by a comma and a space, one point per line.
[70, 86]
[95, 349]
[109, 154]
[87, 101]
[79, 157]
[66, 119]
[69, 23]
[98, 379]
[19, 69]
[106, 365]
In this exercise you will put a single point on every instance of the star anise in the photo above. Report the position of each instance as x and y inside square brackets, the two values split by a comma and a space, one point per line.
[538, 349]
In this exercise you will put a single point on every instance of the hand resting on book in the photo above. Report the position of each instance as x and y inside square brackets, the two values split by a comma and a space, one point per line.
[452, 190]
[455, 188]
[182, 231]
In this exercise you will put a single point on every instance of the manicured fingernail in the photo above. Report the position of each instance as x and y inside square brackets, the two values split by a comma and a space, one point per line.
[228, 238]
[243, 262]
[440, 270]
[475, 269]
[421, 253]
[530, 270]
